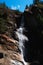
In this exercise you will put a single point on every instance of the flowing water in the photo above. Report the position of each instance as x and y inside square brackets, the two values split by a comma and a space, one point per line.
[22, 38]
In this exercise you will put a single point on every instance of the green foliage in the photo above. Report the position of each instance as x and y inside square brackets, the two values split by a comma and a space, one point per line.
[36, 1]
[26, 6]
[40, 18]
[3, 27]
[3, 18]
[2, 5]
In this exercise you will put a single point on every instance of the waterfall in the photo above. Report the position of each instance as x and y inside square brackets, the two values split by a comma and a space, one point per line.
[22, 38]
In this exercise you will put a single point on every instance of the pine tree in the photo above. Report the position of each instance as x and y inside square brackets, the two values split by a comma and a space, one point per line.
[36, 1]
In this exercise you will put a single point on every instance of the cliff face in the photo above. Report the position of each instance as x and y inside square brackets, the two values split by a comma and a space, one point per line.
[8, 44]
[33, 22]
[8, 20]
[34, 25]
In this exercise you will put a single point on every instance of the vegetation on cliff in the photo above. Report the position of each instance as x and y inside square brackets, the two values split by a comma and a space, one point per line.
[8, 16]
[33, 20]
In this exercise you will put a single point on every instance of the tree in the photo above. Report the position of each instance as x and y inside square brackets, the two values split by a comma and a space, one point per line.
[36, 1]
[2, 5]
[26, 6]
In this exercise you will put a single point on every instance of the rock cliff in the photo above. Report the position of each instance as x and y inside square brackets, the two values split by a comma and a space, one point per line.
[33, 22]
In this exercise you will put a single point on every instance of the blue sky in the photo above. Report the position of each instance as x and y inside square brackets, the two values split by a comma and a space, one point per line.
[17, 4]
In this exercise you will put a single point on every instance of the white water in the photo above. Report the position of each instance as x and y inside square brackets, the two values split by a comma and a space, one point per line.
[22, 39]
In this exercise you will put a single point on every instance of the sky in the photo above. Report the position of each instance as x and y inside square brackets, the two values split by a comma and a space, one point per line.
[17, 4]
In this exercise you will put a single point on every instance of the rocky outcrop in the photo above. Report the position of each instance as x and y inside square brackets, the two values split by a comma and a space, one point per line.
[8, 44]
[33, 22]
[34, 27]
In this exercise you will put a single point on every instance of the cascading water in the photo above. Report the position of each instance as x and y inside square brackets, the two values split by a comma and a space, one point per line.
[22, 39]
